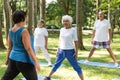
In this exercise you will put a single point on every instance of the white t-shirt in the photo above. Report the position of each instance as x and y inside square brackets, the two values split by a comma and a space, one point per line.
[39, 36]
[102, 30]
[67, 36]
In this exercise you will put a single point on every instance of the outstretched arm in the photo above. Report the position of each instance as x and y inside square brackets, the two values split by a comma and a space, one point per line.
[27, 45]
[46, 41]
[93, 35]
[76, 49]
[110, 36]
[8, 49]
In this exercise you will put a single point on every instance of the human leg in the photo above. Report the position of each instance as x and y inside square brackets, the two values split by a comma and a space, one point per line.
[106, 45]
[91, 53]
[73, 61]
[27, 70]
[36, 48]
[46, 54]
[112, 54]
[11, 71]
[58, 62]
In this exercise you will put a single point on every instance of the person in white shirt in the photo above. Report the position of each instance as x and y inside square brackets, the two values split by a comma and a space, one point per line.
[68, 35]
[102, 37]
[41, 39]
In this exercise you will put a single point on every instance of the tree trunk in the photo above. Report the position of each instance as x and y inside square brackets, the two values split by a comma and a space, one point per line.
[13, 5]
[1, 38]
[42, 9]
[7, 16]
[30, 16]
[109, 10]
[66, 6]
[97, 5]
[35, 13]
[79, 22]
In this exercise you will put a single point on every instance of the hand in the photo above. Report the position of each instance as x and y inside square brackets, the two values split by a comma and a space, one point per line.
[45, 46]
[110, 41]
[75, 55]
[6, 62]
[57, 52]
[92, 41]
[37, 66]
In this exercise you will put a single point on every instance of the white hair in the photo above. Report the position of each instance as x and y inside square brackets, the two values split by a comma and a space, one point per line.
[67, 17]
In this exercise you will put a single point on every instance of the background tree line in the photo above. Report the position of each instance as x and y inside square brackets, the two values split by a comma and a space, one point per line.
[84, 13]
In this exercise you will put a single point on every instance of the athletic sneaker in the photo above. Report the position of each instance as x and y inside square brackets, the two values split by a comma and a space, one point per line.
[47, 78]
[49, 64]
[86, 61]
[116, 65]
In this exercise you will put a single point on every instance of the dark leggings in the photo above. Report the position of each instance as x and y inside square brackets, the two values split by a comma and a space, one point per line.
[15, 67]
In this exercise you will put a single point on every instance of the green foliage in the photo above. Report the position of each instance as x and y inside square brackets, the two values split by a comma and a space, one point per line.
[89, 13]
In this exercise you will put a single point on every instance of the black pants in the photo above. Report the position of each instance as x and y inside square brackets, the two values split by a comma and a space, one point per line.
[14, 68]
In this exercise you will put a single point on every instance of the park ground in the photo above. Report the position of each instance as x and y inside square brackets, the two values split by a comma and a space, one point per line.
[66, 72]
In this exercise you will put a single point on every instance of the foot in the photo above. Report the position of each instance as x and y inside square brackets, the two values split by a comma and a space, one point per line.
[50, 64]
[47, 78]
[86, 61]
[116, 65]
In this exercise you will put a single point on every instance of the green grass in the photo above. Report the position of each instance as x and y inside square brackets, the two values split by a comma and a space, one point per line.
[66, 72]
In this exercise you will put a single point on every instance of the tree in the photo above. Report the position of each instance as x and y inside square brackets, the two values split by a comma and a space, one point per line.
[42, 9]
[97, 10]
[7, 16]
[79, 22]
[65, 5]
[109, 10]
[30, 16]
[1, 38]
[13, 5]
[35, 13]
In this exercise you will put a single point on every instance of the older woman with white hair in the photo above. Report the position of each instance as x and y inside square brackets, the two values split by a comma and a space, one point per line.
[66, 47]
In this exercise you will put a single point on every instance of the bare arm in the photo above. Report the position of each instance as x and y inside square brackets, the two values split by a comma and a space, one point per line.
[8, 49]
[46, 41]
[93, 35]
[58, 46]
[76, 49]
[110, 36]
[27, 45]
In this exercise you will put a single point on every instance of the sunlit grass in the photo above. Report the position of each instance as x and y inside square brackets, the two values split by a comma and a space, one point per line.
[66, 72]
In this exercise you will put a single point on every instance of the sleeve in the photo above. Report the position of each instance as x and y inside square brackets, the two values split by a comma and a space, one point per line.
[60, 33]
[109, 25]
[94, 28]
[75, 37]
[45, 32]
[34, 32]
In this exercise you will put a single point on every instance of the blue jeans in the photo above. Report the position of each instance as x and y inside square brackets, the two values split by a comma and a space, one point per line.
[69, 54]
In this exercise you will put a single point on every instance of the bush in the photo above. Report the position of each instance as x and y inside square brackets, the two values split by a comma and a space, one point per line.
[52, 26]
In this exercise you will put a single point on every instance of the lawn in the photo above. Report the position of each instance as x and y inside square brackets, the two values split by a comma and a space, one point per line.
[66, 72]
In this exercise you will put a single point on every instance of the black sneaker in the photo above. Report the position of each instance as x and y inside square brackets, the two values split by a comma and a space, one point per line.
[47, 78]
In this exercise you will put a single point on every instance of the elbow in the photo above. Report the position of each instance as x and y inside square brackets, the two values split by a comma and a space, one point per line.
[27, 49]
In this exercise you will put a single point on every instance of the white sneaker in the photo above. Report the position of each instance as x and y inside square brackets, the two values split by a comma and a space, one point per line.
[116, 64]
[86, 61]
[50, 64]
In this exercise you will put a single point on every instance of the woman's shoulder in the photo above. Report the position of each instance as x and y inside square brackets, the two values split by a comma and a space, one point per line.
[24, 31]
